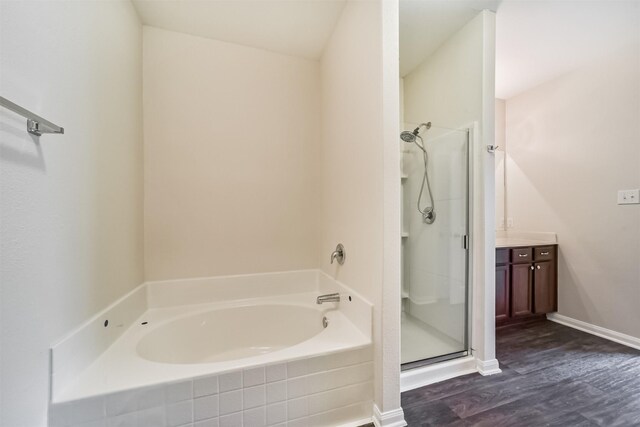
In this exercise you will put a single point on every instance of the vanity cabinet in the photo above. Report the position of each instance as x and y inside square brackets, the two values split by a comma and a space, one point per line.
[526, 282]
[521, 290]
[502, 292]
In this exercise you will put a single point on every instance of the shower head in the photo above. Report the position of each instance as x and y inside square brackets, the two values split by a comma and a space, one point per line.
[407, 136]
[410, 137]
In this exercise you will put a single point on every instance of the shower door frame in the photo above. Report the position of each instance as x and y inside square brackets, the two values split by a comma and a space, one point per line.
[471, 132]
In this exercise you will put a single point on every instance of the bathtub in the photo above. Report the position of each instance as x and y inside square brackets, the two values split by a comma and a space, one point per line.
[234, 359]
[247, 331]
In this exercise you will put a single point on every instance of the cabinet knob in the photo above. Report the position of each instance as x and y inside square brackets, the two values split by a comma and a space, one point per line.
[538, 267]
[544, 253]
[532, 267]
[523, 255]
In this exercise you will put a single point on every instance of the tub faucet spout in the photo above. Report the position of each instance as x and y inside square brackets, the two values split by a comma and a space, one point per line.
[328, 298]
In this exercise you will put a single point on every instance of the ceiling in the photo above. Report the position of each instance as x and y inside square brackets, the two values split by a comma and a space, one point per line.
[426, 24]
[300, 27]
[539, 40]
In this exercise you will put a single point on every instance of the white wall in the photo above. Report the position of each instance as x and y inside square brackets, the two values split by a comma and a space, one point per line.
[351, 156]
[448, 89]
[231, 158]
[572, 143]
[353, 174]
[71, 218]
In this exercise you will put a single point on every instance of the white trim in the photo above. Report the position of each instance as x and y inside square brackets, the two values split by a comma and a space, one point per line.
[386, 336]
[393, 418]
[420, 377]
[599, 331]
[488, 367]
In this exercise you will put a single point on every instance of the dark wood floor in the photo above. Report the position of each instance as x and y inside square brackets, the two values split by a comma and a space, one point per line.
[552, 375]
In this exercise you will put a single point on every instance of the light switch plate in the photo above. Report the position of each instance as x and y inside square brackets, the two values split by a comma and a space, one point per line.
[629, 197]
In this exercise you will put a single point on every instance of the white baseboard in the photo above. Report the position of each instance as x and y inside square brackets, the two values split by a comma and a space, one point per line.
[605, 333]
[420, 377]
[393, 418]
[488, 367]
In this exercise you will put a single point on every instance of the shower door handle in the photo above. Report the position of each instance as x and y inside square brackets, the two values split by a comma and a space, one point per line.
[465, 242]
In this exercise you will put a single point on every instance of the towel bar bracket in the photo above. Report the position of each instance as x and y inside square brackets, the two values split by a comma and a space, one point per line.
[36, 125]
[36, 128]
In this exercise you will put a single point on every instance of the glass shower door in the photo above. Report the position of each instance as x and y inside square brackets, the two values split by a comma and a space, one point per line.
[435, 256]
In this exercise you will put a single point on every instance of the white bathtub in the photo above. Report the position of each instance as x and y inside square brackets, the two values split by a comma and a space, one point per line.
[237, 343]
[231, 334]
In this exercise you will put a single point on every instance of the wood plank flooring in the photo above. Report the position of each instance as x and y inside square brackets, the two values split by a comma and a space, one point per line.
[552, 375]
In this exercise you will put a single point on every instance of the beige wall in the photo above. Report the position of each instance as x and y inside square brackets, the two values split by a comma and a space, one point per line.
[446, 89]
[231, 158]
[501, 142]
[71, 218]
[572, 143]
[351, 158]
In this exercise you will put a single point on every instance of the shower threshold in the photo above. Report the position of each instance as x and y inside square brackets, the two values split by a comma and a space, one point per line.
[433, 360]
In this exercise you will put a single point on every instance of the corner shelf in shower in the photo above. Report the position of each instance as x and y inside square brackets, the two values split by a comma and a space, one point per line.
[404, 177]
[405, 234]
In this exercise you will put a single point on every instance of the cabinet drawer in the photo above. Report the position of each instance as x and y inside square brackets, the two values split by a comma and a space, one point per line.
[521, 255]
[502, 256]
[543, 253]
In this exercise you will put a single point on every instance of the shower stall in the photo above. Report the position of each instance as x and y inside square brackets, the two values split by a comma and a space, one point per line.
[435, 245]
[446, 49]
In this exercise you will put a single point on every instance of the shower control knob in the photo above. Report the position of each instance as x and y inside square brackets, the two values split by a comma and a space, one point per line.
[338, 255]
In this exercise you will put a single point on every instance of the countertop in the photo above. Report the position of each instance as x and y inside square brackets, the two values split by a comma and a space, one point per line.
[510, 239]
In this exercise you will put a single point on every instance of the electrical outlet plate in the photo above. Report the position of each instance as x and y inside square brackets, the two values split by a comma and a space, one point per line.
[629, 197]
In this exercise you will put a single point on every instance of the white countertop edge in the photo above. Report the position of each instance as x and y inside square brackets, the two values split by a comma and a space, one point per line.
[509, 239]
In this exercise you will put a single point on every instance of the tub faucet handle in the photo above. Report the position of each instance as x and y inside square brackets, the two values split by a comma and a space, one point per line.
[338, 254]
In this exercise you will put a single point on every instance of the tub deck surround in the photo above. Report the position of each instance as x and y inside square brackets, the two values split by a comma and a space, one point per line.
[139, 366]
[80, 348]
[171, 293]
[510, 239]
[122, 366]
[328, 390]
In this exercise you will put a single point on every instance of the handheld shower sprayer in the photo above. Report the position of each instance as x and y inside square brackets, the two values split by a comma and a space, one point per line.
[428, 213]
[410, 137]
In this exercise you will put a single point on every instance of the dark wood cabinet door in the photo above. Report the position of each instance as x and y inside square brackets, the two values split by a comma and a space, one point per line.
[521, 290]
[544, 287]
[502, 292]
